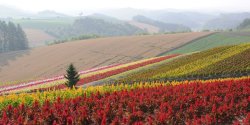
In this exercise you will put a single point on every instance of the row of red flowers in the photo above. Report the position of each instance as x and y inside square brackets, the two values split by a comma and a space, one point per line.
[43, 81]
[100, 76]
[212, 102]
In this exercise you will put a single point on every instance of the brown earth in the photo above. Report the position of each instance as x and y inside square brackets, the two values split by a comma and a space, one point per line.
[37, 37]
[52, 60]
[149, 28]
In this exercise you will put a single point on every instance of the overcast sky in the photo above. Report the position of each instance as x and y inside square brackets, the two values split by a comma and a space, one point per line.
[73, 5]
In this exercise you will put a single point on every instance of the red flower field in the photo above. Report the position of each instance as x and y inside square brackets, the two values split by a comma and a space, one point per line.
[212, 102]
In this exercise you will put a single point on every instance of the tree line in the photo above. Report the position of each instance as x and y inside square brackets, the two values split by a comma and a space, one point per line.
[12, 37]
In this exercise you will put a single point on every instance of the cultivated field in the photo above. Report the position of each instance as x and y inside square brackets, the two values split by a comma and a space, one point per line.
[214, 40]
[37, 37]
[149, 28]
[225, 61]
[85, 54]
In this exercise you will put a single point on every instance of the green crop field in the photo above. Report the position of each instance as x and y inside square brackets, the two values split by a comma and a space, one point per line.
[215, 40]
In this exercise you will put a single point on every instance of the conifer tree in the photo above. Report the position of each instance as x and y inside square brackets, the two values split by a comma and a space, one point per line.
[12, 37]
[72, 76]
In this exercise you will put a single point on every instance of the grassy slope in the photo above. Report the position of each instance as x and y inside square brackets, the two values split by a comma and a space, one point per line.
[237, 57]
[215, 40]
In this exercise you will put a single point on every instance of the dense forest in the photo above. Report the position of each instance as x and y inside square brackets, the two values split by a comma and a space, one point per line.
[86, 26]
[12, 37]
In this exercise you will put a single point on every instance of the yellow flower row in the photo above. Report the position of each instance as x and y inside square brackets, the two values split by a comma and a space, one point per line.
[54, 83]
[204, 62]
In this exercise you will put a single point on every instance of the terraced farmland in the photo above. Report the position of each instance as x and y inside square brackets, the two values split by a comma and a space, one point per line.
[50, 61]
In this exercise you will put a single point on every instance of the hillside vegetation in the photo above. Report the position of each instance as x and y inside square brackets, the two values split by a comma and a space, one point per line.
[163, 27]
[225, 61]
[52, 60]
[95, 26]
[214, 40]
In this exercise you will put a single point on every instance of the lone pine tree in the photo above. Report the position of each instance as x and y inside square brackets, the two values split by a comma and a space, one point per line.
[72, 76]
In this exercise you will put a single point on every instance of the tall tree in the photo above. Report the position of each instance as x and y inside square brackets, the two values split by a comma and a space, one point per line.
[23, 41]
[72, 76]
[12, 37]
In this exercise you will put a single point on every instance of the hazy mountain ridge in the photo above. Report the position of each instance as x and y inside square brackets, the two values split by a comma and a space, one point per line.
[89, 25]
[227, 21]
[164, 27]
[193, 20]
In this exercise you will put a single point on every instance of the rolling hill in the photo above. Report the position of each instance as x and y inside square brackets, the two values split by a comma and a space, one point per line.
[149, 28]
[213, 40]
[163, 27]
[52, 60]
[89, 25]
[37, 37]
[226, 21]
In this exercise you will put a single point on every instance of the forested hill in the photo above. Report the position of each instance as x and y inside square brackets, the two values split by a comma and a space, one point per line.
[95, 26]
[164, 27]
[12, 37]
[245, 24]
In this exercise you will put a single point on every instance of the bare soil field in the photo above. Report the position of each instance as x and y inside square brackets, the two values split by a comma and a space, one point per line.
[149, 28]
[37, 37]
[49, 61]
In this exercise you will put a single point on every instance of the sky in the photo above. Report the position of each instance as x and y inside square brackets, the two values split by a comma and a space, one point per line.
[75, 5]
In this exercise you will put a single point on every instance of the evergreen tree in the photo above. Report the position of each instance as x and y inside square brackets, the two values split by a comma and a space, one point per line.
[12, 37]
[72, 76]
[23, 41]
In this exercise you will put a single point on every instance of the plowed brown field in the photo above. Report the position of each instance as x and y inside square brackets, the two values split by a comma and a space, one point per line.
[37, 37]
[52, 60]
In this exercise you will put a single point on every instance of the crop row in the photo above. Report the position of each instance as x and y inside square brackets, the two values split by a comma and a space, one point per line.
[238, 62]
[49, 80]
[102, 75]
[192, 64]
[196, 102]
[89, 77]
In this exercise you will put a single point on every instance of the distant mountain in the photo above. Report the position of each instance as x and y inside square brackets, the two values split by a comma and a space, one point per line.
[11, 12]
[164, 27]
[49, 14]
[124, 13]
[193, 20]
[88, 25]
[226, 21]
[106, 18]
